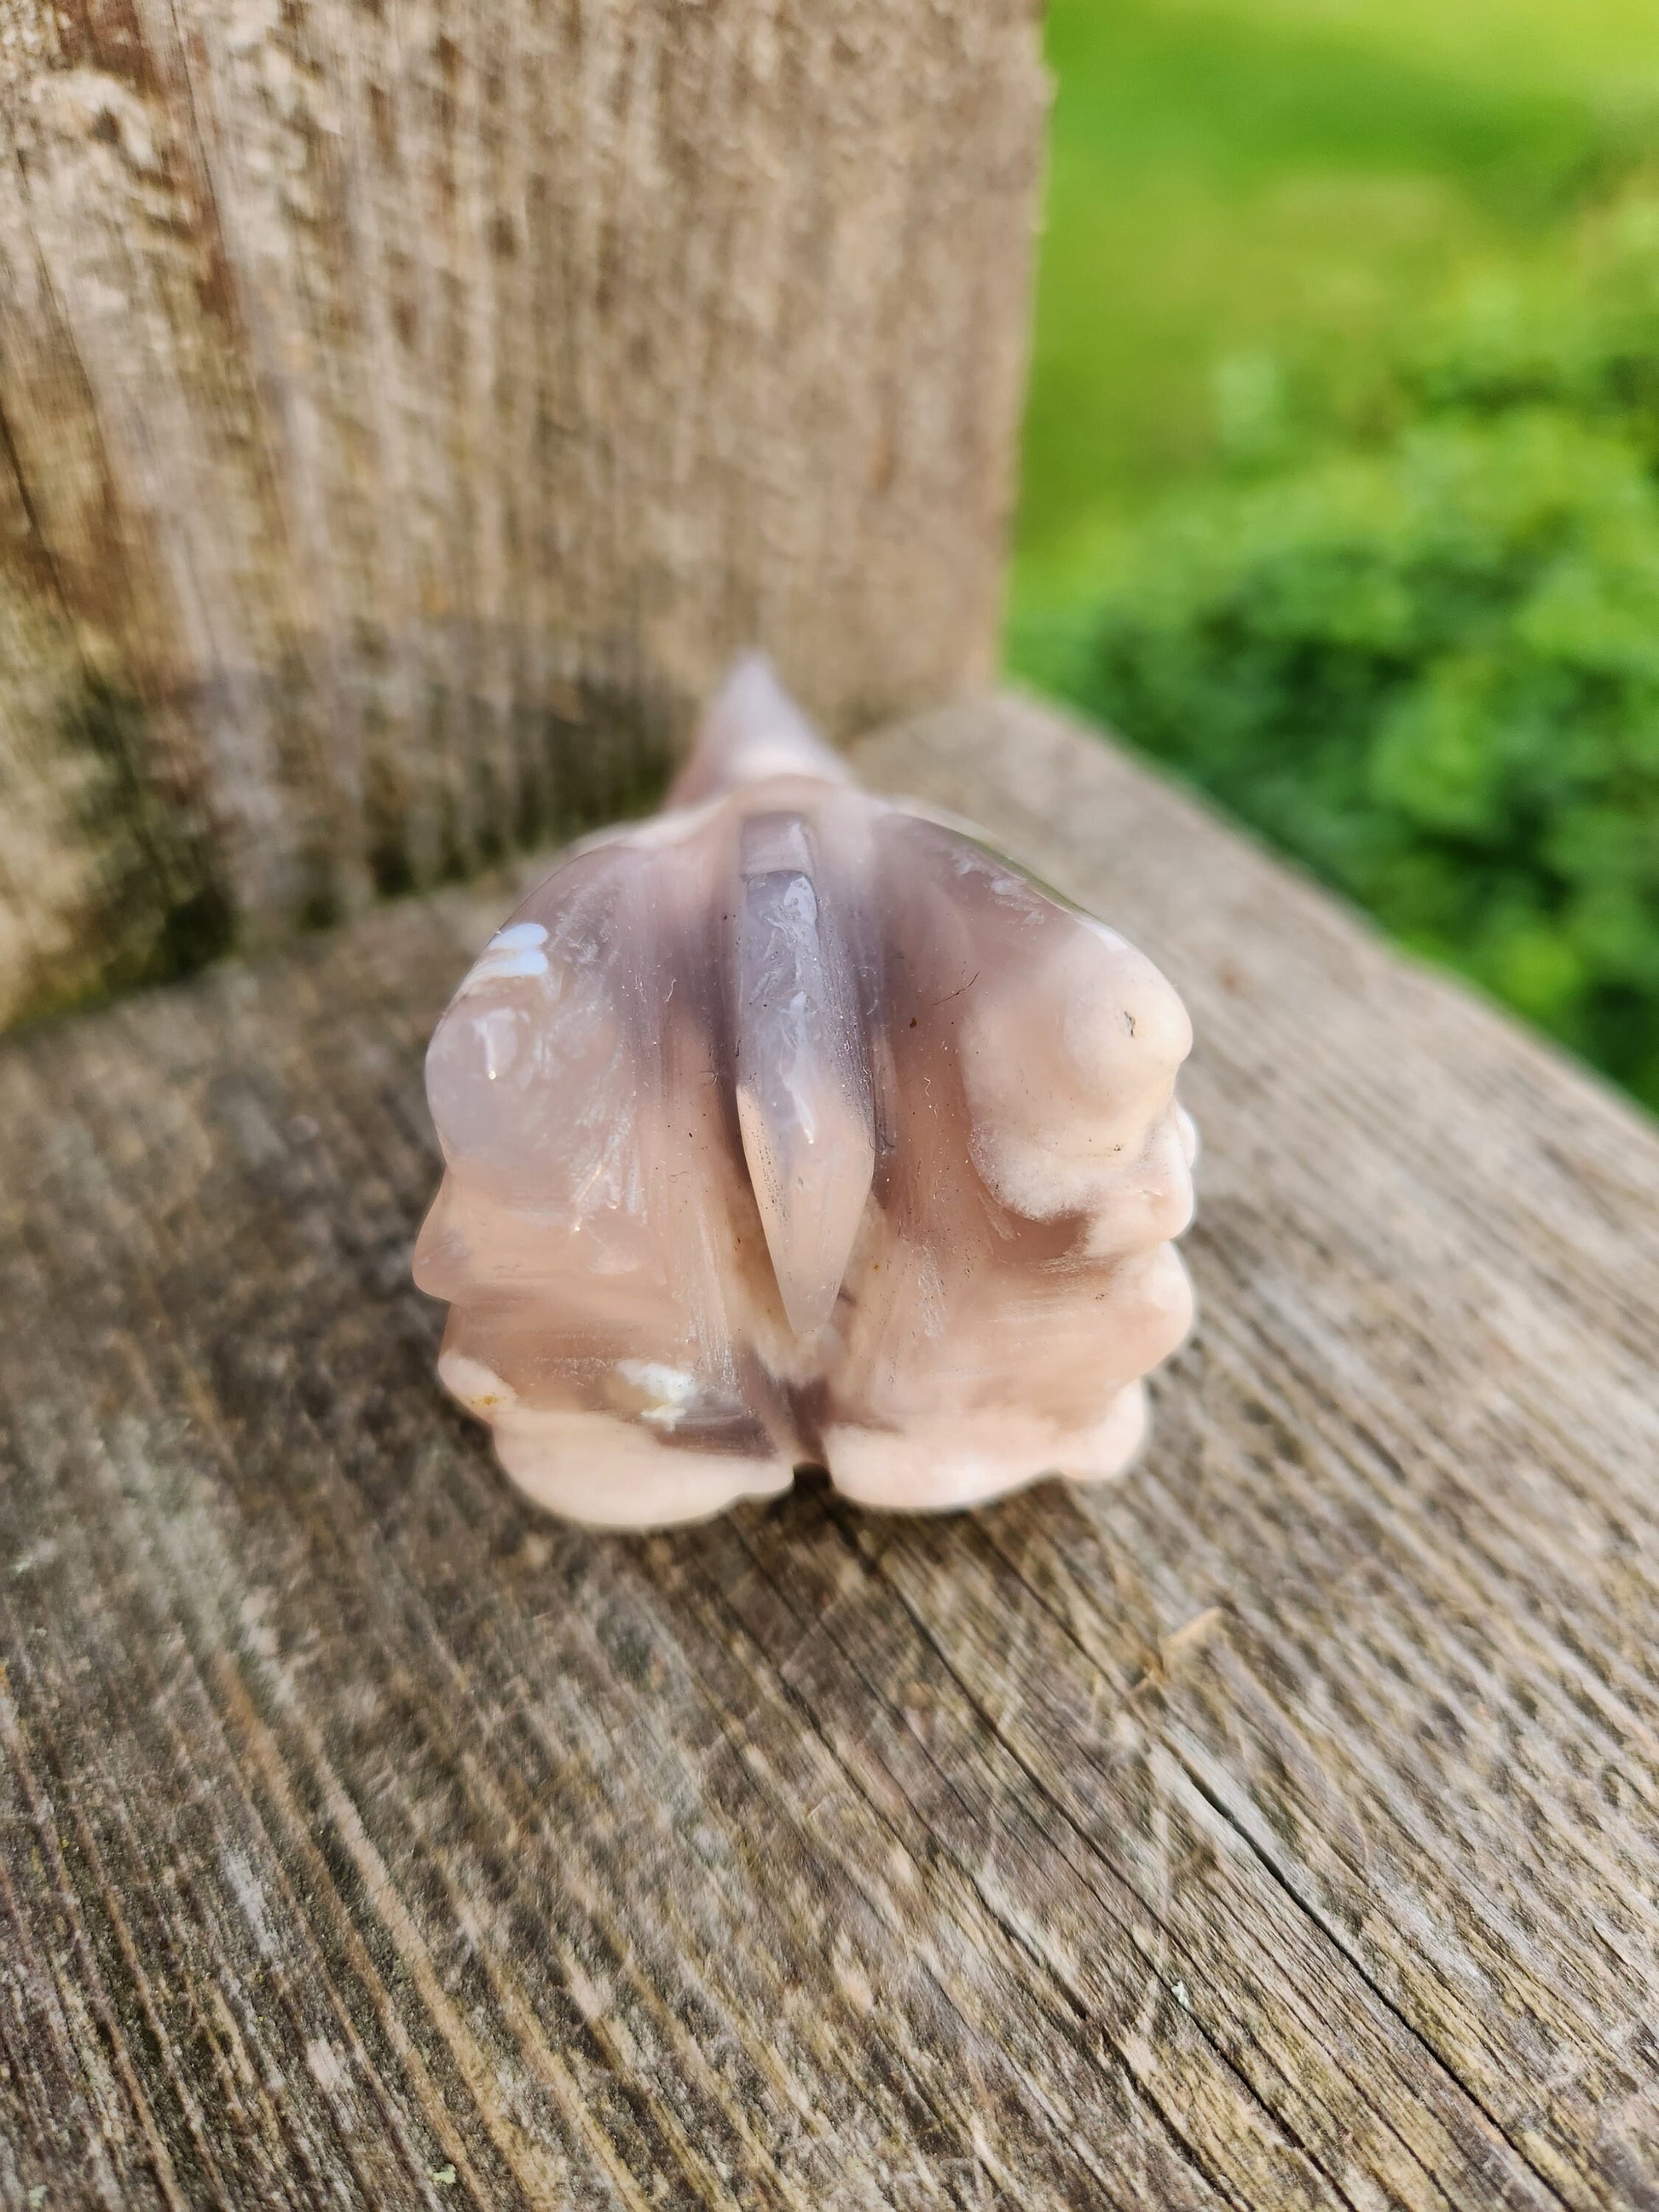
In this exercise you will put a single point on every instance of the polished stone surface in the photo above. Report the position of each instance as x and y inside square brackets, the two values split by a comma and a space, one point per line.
[794, 1126]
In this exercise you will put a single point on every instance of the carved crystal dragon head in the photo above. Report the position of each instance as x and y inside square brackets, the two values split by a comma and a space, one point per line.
[794, 1126]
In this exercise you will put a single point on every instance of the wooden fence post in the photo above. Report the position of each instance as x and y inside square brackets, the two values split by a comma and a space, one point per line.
[405, 409]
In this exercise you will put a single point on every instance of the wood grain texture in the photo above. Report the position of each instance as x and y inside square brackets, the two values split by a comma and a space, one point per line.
[1274, 1830]
[406, 409]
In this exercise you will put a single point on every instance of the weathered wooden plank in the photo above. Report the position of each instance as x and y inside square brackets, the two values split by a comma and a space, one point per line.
[1276, 1829]
[406, 411]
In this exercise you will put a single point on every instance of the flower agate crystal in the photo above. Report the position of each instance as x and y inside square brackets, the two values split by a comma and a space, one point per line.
[793, 1126]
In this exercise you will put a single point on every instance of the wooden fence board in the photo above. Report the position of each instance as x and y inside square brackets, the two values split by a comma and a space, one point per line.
[407, 411]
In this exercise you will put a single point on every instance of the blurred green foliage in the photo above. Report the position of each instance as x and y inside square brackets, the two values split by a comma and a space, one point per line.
[1433, 674]
[1386, 579]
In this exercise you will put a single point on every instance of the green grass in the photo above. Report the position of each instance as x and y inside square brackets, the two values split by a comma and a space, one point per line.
[1249, 199]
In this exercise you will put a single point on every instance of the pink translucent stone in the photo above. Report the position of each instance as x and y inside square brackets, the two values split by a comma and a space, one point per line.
[793, 1126]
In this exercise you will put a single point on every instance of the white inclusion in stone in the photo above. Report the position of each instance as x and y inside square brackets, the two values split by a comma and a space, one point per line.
[666, 1394]
[803, 1096]
[497, 967]
[515, 950]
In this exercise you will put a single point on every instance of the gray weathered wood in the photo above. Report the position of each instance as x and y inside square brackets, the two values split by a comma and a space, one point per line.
[407, 407]
[1275, 1830]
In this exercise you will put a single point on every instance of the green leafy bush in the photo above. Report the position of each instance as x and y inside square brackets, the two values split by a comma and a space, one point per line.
[1423, 654]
